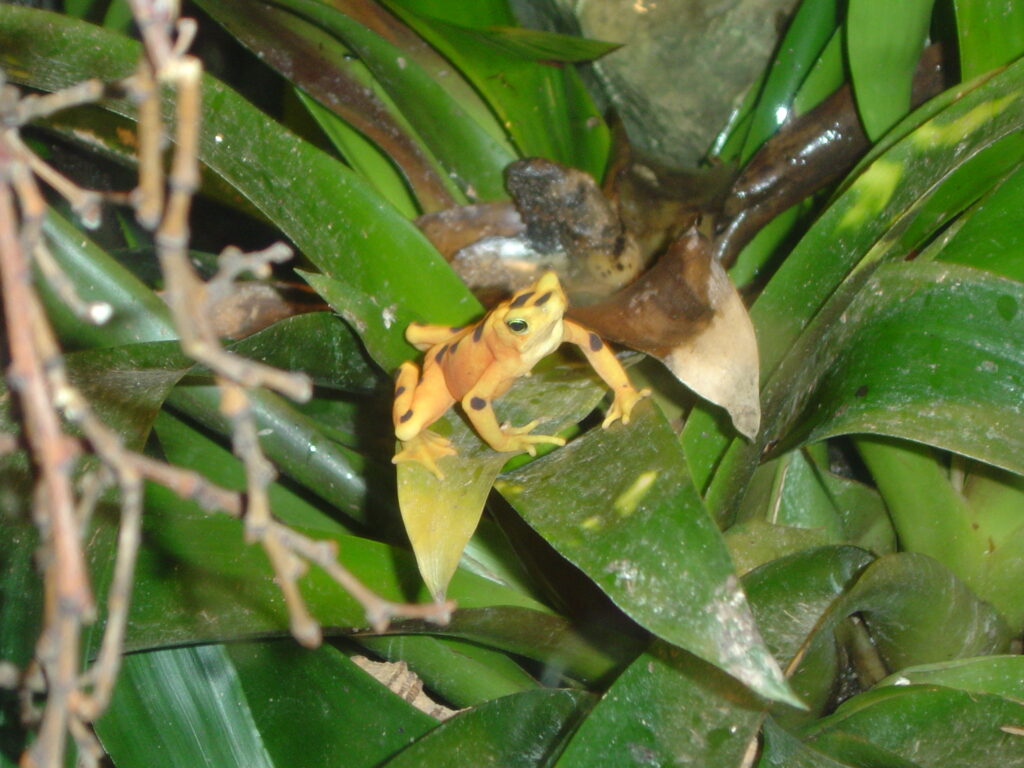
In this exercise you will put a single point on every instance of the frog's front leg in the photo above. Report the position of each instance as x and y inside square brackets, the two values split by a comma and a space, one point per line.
[608, 367]
[478, 407]
[418, 404]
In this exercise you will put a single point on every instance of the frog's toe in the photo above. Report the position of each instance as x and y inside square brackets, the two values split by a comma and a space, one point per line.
[425, 449]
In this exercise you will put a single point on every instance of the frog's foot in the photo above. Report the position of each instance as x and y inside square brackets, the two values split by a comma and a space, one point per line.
[517, 439]
[425, 449]
[622, 406]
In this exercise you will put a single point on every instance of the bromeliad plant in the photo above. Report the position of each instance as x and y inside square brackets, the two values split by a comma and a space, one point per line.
[844, 589]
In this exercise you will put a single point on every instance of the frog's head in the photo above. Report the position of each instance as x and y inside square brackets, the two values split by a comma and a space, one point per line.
[531, 321]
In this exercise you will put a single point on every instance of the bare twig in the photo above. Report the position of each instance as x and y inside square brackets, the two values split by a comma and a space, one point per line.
[68, 596]
[75, 699]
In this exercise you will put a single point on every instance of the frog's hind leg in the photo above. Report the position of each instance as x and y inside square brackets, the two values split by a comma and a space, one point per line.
[419, 402]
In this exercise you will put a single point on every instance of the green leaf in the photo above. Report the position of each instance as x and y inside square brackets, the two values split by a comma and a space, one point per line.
[865, 224]
[999, 675]
[783, 750]
[806, 36]
[464, 674]
[928, 725]
[589, 654]
[951, 373]
[318, 344]
[643, 536]
[293, 442]
[826, 76]
[525, 729]
[325, 69]
[789, 596]
[546, 46]
[884, 41]
[990, 237]
[990, 34]
[978, 539]
[667, 708]
[181, 708]
[915, 610]
[468, 151]
[198, 580]
[127, 385]
[518, 87]
[365, 157]
[185, 446]
[313, 706]
[334, 217]
[138, 315]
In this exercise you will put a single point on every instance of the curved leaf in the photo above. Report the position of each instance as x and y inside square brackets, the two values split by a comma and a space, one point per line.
[930, 726]
[884, 41]
[334, 217]
[643, 536]
[322, 67]
[468, 151]
[525, 729]
[865, 224]
[667, 708]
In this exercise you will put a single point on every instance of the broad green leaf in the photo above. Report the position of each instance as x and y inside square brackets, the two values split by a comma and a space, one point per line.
[335, 218]
[924, 351]
[127, 385]
[883, 42]
[294, 443]
[982, 543]
[525, 729]
[933, 727]
[783, 750]
[990, 34]
[463, 145]
[21, 589]
[181, 708]
[667, 708]
[806, 36]
[643, 536]
[318, 344]
[826, 76]
[546, 46]
[312, 707]
[518, 87]
[199, 581]
[884, 195]
[789, 596]
[999, 675]
[917, 612]
[463, 674]
[479, 14]
[756, 542]
[138, 315]
[323, 68]
[185, 446]
[591, 654]
[796, 498]
[990, 237]
[363, 156]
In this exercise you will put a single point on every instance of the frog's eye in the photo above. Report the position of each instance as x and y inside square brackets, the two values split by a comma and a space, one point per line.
[517, 325]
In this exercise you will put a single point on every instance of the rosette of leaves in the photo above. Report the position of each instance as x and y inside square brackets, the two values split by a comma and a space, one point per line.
[843, 590]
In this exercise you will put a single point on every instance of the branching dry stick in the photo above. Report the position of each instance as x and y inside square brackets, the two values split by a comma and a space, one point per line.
[195, 487]
[74, 700]
[68, 599]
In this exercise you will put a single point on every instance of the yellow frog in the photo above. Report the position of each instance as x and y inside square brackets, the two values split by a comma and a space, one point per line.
[475, 364]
